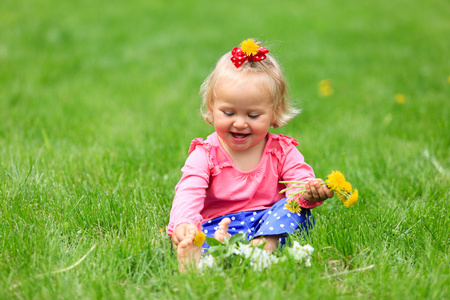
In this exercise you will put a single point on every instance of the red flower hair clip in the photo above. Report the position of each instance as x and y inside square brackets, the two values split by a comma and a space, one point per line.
[249, 50]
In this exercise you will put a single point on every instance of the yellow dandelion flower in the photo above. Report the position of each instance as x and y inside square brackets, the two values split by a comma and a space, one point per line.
[347, 187]
[352, 199]
[249, 47]
[341, 196]
[400, 98]
[163, 230]
[199, 238]
[336, 181]
[325, 88]
[293, 206]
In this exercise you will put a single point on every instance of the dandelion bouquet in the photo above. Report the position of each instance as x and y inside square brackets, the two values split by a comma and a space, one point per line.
[335, 182]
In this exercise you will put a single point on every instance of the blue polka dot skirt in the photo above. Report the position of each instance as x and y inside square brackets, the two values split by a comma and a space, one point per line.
[277, 220]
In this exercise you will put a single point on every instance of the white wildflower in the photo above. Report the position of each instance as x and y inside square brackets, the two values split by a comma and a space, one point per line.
[262, 260]
[246, 250]
[207, 261]
[299, 252]
[308, 262]
[258, 259]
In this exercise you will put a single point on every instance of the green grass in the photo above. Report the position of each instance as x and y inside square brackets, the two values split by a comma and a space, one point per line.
[99, 101]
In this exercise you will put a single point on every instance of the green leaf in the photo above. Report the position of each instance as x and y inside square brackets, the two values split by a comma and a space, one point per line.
[245, 242]
[237, 237]
[216, 251]
[213, 242]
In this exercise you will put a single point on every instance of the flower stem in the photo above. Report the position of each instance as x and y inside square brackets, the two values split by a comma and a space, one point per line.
[299, 182]
[292, 187]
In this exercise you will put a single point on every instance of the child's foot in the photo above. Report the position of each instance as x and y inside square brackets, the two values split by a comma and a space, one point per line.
[188, 253]
[271, 242]
[222, 232]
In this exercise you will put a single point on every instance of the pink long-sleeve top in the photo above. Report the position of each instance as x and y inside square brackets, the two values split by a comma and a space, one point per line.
[212, 185]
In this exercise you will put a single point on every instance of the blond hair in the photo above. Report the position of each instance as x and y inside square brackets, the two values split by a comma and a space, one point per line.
[272, 77]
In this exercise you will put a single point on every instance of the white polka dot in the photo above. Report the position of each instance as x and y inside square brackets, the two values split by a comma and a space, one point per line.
[292, 224]
[278, 218]
[267, 222]
[233, 228]
[284, 208]
[215, 228]
[298, 214]
[271, 228]
[254, 213]
[275, 215]
[261, 232]
[253, 228]
[260, 221]
[281, 225]
[240, 231]
[233, 218]
[252, 219]
[205, 231]
[270, 212]
[209, 222]
[242, 223]
[289, 215]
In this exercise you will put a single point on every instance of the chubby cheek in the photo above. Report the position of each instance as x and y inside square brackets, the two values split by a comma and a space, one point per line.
[218, 122]
[217, 117]
[220, 127]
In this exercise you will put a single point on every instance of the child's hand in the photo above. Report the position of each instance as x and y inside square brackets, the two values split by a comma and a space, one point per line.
[181, 231]
[316, 191]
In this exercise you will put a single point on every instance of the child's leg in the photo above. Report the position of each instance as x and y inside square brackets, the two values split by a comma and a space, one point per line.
[271, 242]
[222, 232]
[188, 253]
[277, 222]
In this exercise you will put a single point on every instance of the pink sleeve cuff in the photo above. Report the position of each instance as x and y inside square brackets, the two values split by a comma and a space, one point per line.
[308, 204]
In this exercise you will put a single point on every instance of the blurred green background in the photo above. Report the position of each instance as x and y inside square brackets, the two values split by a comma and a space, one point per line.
[78, 69]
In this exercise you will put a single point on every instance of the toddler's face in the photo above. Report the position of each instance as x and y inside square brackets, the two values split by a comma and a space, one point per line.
[242, 113]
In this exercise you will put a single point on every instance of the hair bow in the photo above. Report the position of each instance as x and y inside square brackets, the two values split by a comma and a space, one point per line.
[249, 51]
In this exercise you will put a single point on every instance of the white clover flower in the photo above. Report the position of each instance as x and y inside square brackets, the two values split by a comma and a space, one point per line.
[207, 261]
[299, 252]
[247, 250]
[262, 259]
[309, 249]
[259, 259]
[235, 250]
[308, 262]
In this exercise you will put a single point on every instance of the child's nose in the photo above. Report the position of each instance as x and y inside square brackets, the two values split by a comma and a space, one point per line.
[240, 123]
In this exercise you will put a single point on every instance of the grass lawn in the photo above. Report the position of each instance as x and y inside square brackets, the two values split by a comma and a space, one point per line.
[99, 102]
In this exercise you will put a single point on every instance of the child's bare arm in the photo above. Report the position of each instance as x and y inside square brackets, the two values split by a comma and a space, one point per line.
[316, 191]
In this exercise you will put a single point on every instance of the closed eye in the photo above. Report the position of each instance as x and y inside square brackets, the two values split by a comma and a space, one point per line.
[227, 113]
[253, 116]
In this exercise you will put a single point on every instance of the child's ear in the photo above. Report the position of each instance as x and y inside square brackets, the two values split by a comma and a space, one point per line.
[211, 115]
[274, 121]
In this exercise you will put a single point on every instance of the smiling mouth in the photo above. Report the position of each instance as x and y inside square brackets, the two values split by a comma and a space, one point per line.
[240, 135]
